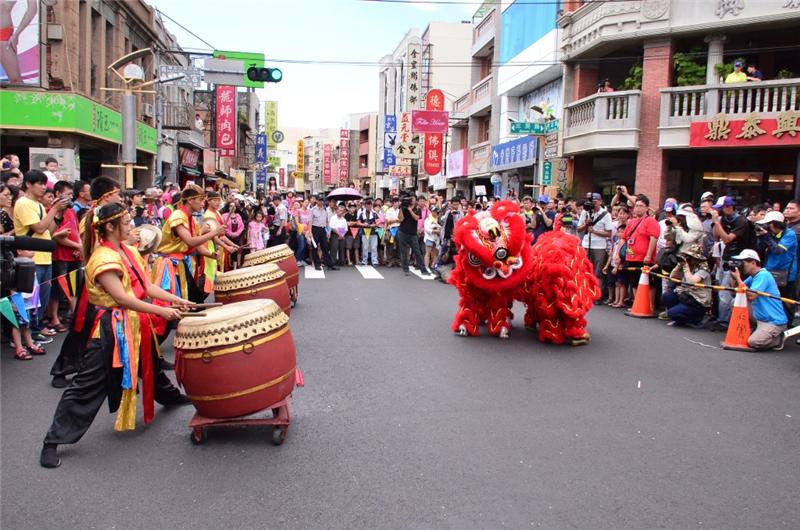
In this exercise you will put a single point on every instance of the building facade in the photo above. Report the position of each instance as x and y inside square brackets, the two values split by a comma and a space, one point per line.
[673, 126]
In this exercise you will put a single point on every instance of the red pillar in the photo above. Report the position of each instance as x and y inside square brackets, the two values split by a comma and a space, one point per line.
[585, 83]
[651, 162]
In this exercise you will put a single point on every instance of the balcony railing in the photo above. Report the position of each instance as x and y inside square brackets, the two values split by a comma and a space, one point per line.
[485, 26]
[479, 158]
[461, 106]
[481, 95]
[682, 105]
[178, 115]
[604, 121]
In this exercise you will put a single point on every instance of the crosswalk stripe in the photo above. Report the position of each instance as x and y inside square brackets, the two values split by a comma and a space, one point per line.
[422, 276]
[369, 272]
[314, 274]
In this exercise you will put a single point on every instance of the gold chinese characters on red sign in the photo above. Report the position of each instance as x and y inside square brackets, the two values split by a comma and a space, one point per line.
[753, 131]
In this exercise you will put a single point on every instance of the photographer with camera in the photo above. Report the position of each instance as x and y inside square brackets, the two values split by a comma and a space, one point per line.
[407, 235]
[687, 304]
[732, 230]
[68, 254]
[543, 217]
[623, 197]
[32, 219]
[768, 312]
[595, 226]
[779, 244]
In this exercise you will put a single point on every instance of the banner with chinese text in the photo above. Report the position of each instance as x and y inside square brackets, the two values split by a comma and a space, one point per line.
[434, 126]
[753, 131]
[226, 121]
[344, 156]
[413, 76]
[327, 155]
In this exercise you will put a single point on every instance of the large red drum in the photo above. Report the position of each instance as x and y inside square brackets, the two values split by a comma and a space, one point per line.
[266, 281]
[238, 359]
[281, 255]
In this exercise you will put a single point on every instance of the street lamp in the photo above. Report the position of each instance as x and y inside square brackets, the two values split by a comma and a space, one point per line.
[132, 76]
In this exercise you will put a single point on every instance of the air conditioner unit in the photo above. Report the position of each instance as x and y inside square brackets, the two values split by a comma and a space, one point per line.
[147, 110]
[65, 157]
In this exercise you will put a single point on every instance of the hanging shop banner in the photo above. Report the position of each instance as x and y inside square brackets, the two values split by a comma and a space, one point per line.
[300, 163]
[261, 149]
[344, 156]
[20, 64]
[457, 164]
[209, 162]
[406, 145]
[226, 121]
[434, 128]
[390, 123]
[752, 131]
[327, 155]
[516, 153]
[282, 177]
[413, 76]
[270, 121]
[429, 121]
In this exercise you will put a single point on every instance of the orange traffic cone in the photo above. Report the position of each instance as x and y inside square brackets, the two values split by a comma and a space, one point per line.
[739, 325]
[642, 308]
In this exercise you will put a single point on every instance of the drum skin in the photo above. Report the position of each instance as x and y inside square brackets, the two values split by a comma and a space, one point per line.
[282, 256]
[252, 370]
[250, 286]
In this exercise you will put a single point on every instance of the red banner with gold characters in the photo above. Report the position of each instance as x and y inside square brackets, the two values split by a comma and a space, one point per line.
[344, 156]
[752, 131]
[226, 121]
[434, 148]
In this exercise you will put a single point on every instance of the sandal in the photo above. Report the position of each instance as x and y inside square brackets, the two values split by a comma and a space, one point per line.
[23, 355]
[61, 328]
[36, 350]
[47, 332]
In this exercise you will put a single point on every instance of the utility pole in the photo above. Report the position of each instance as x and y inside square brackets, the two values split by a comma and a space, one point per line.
[159, 118]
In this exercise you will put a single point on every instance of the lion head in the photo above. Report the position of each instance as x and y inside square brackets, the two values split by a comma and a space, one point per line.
[494, 249]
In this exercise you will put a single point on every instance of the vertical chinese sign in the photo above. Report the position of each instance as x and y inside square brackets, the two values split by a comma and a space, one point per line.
[226, 121]
[344, 156]
[281, 178]
[327, 154]
[299, 177]
[261, 160]
[413, 77]
[434, 149]
[270, 121]
[389, 139]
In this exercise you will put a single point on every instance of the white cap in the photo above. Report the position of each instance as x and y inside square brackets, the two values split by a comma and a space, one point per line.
[770, 217]
[748, 254]
[706, 195]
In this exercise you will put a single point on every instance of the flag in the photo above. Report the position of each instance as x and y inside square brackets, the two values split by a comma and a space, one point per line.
[7, 311]
[73, 281]
[62, 282]
[380, 232]
[353, 232]
[368, 232]
[19, 303]
[32, 299]
[342, 230]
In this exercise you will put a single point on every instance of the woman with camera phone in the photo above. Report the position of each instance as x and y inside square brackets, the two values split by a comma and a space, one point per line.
[687, 305]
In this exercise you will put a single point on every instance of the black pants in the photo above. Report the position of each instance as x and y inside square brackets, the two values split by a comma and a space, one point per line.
[68, 360]
[95, 381]
[408, 240]
[337, 249]
[788, 291]
[321, 238]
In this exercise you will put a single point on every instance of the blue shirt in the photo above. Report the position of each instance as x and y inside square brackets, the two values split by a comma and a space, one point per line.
[781, 252]
[766, 309]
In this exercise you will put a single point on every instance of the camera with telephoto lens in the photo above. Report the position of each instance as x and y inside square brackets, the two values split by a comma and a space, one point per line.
[588, 205]
[667, 222]
[732, 266]
[405, 202]
[18, 274]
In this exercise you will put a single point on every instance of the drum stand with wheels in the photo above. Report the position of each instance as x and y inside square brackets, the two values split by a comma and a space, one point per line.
[281, 417]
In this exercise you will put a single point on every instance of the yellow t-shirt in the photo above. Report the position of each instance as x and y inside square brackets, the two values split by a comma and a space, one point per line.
[104, 259]
[736, 77]
[170, 242]
[27, 213]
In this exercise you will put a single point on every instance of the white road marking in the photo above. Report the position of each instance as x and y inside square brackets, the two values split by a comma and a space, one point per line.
[418, 274]
[369, 272]
[314, 274]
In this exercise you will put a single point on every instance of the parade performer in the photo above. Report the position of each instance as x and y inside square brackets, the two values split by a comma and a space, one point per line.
[219, 246]
[177, 270]
[121, 347]
[103, 191]
[496, 265]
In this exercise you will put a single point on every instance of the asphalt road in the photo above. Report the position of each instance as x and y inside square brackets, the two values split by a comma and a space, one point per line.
[401, 424]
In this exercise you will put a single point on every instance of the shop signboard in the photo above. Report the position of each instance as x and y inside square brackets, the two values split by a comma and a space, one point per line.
[327, 155]
[516, 153]
[434, 129]
[390, 123]
[209, 162]
[21, 60]
[389, 159]
[753, 131]
[457, 164]
[550, 146]
[226, 121]
[270, 121]
[429, 121]
[547, 173]
[344, 156]
[261, 149]
[537, 128]
[68, 113]
[413, 76]
[282, 178]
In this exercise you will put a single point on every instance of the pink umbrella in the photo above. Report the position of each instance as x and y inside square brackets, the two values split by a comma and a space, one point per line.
[344, 194]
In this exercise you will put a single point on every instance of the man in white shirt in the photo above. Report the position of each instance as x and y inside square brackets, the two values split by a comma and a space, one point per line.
[338, 226]
[391, 257]
[595, 226]
[279, 227]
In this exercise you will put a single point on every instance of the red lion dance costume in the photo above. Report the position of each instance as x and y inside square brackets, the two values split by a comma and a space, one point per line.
[496, 265]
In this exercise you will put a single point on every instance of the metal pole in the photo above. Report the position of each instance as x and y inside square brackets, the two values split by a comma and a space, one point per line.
[159, 118]
[128, 135]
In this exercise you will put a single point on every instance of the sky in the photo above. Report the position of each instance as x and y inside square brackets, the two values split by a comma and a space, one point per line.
[315, 96]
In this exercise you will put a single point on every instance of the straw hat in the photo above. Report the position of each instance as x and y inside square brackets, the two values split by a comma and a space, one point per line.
[693, 251]
[149, 238]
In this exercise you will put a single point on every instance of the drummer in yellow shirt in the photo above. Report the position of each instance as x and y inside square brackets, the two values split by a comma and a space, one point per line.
[176, 267]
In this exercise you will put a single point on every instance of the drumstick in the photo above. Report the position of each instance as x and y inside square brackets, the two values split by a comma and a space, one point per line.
[184, 315]
[199, 306]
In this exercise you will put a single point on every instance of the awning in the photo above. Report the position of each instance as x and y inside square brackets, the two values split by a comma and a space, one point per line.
[190, 171]
[192, 138]
[485, 175]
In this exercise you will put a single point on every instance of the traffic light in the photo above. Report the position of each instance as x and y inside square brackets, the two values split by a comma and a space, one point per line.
[265, 75]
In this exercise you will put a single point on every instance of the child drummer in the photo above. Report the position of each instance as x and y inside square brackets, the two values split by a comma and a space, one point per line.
[121, 336]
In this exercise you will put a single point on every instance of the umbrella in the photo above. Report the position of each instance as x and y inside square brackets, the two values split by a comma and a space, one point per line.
[344, 194]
